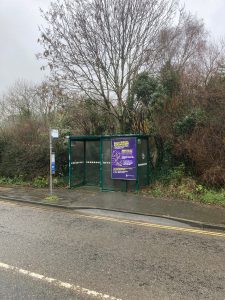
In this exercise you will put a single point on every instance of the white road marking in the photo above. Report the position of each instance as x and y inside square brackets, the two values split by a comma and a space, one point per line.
[58, 283]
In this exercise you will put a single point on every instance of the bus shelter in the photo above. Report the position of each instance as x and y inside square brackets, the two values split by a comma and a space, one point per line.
[114, 163]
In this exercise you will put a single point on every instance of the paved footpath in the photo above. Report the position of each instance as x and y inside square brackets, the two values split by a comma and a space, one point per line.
[201, 215]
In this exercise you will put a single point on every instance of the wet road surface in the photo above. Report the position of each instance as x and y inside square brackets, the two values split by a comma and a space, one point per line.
[101, 256]
[92, 197]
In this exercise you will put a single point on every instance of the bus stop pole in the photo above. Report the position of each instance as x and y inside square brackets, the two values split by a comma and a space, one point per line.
[50, 169]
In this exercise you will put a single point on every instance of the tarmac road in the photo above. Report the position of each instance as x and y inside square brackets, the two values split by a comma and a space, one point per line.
[50, 253]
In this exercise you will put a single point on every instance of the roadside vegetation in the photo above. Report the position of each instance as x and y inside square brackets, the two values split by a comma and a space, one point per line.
[37, 182]
[102, 82]
[52, 198]
[176, 184]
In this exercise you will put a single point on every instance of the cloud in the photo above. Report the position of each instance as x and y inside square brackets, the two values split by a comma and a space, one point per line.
[212, 12]
[19, 21]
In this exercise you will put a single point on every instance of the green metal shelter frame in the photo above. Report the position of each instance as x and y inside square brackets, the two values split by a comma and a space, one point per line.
[90, 163]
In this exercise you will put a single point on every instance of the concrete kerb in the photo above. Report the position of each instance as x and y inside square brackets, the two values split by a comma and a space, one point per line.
[204, 226]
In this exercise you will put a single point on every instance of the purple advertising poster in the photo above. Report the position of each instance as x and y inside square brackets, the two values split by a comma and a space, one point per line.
[124, 158]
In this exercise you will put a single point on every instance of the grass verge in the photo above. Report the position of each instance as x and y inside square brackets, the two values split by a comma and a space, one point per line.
[52, 198]
[37, 182]
[187, 189]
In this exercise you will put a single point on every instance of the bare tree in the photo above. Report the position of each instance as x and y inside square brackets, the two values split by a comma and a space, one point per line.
[212, 61]
[183, 42]
[19, 100]
[97, 47]
[26, 99]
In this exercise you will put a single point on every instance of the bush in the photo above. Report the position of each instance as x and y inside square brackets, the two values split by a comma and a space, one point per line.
[25, 151]
[5, 180]
[157, 192]
[194, 124]
[188, 189]
[188, 123]
[175, 175]
[16, 180]
[215, 176]
[60, 181]
[40, 182]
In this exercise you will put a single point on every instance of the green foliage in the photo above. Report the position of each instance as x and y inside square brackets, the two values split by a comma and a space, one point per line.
[174, 175]
[147, 89]
[157, 192]
[25, 151]
[5, 180]
[185, 188]
[213, 197]
[40, 182]
[189, 122]
[170, 79]
[164, 163]
[16, 180]
[177, 173]
[60, 181]
[189, 188]
[52, 198]
[37, 182]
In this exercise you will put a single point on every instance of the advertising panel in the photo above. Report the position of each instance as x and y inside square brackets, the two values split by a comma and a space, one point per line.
[123, 159]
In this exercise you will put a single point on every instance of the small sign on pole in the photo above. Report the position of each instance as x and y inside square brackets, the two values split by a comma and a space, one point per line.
[54, 133]
[53, 163]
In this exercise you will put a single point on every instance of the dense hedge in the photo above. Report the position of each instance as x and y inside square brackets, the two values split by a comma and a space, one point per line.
[24, 151]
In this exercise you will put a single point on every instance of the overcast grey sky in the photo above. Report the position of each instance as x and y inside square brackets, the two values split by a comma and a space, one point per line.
[19, 21]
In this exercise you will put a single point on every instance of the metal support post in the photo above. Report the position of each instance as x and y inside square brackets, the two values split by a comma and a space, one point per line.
[50, 169]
